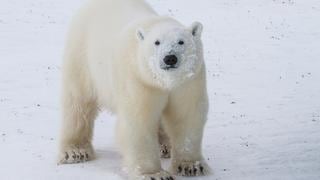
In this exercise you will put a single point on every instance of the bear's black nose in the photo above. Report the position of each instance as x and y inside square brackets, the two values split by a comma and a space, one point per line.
[170, 60]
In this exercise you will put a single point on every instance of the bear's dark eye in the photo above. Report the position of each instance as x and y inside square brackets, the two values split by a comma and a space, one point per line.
[181, 42]
[157, 43]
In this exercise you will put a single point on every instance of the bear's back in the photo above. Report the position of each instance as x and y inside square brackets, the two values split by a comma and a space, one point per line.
[117, 14]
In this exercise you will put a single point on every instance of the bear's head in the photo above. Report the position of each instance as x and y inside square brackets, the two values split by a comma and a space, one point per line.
[169, 53]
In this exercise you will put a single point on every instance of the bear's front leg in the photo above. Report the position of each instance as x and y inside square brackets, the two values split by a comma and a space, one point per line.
[186, 137]
[184, 122]
[137, 132]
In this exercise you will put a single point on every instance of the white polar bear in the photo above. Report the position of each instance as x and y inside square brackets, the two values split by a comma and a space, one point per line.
[149, 71]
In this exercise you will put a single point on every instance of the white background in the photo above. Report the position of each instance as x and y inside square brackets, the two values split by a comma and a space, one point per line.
[263, 61]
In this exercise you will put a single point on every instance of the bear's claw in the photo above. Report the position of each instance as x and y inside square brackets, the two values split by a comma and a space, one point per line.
[76, 155]
[191, 169]
[164, 151]
[163, 175]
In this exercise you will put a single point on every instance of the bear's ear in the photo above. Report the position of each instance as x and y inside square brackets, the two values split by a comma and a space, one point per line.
[196, 29]
[140, 34]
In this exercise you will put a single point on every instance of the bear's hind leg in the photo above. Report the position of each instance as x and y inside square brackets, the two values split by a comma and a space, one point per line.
[77, 130]
[79, 108]
[184, 122]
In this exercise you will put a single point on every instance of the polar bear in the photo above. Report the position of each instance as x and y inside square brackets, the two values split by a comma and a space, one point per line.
[149, 71]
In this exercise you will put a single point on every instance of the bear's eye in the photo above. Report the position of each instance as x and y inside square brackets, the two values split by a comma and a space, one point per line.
[181, 42]
[157, 43]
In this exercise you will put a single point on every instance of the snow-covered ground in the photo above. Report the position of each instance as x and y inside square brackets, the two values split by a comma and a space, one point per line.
[263, 67]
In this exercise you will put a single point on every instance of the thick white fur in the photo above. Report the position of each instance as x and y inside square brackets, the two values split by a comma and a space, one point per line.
[111, 62]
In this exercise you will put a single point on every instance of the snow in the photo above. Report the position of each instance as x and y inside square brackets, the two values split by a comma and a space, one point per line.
[263, 80]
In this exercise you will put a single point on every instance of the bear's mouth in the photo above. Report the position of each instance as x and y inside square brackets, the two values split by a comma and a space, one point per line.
[169, 67]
